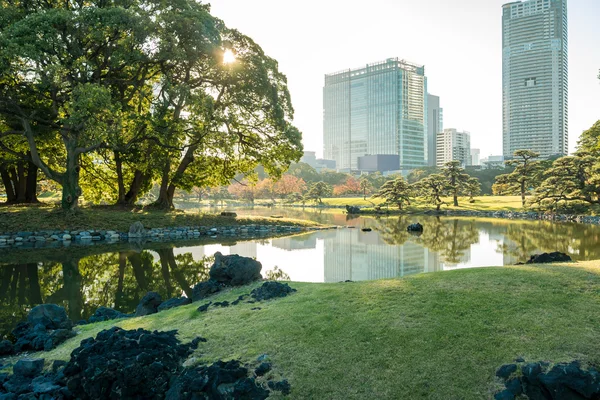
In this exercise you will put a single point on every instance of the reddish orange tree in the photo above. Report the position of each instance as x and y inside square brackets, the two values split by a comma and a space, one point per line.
[289, 184]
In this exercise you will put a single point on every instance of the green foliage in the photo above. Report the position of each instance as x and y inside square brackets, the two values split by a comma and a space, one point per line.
[521, 180]
[572, 179]
[317, 191]
[456, 179]
[417, 174]
[432, 188]
[133, 92]
[472, 188]
[589, 141]
[395, 192]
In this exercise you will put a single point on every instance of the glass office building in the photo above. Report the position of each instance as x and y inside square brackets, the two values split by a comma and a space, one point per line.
[378, 109]
[535, 77]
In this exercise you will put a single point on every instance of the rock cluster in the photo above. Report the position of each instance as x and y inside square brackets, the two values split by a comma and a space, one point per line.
[137, 364]
[537, 381]
[271, 290]
[28, 382]
[546, 258]
[46, 327]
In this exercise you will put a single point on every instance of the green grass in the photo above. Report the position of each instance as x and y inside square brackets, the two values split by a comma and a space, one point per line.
[46, 217]
[433, 336]
[483, 203]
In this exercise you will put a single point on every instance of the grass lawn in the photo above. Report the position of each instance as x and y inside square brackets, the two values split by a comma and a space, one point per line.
[483, 203]
[49, 217]
[434, 336]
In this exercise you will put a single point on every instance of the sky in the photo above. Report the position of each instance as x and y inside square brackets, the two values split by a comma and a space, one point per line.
[458, 41]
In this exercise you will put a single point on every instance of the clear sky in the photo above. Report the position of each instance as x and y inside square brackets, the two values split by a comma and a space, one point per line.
[458, 41]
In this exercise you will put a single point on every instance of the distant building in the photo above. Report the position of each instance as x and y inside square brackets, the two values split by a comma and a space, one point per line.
[322, 164]
[475, 154]
[309, 158]
[379, 162]
[435, 125]
[453, 145]
[492, 162]
[535, 75]
[377, 109]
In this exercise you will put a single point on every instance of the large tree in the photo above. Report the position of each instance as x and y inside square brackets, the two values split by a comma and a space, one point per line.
[456, 179]
[432, 188]
[526, 172]
[66, 69]
[396, 192]
[318, 191]
[571, 179]
[227, 115]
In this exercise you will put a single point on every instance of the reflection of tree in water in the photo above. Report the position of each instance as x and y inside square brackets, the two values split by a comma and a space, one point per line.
[117, 280]
[580, 241]
[277, 274]
[451, 238]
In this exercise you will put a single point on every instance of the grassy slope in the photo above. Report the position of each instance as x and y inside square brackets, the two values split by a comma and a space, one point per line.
[22, 218]
[483, 203]
[437, 336]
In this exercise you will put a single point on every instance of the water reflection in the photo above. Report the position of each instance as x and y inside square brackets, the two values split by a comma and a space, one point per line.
[81, 285]
[82, 281]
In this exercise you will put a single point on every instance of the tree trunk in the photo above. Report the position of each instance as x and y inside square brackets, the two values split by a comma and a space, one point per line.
[523, 193]
[120, 183]
[119, 295]
[35, 292]
[455, 192]
[167, 190]
[163, 200]
[31, 184]
[164, 267]
[72, 288]
[11, 196]
[70, 179]
[20, 182]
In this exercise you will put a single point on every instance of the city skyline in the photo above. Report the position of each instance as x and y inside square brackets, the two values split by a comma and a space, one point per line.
[470, 88]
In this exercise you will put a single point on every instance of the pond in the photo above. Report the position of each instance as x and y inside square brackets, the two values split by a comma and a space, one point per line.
[83, 278]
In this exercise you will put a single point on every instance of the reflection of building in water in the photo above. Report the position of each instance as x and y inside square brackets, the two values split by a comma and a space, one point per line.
[295, 242]
[355, 255]
[246, 249]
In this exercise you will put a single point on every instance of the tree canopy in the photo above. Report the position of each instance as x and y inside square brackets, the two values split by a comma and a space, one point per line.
[130, 92]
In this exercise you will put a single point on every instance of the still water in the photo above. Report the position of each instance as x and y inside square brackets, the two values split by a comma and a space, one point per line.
[82, 279]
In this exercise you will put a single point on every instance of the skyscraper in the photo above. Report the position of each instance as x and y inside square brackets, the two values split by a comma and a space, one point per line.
[378, 109]
[435, 125]
[535, 77]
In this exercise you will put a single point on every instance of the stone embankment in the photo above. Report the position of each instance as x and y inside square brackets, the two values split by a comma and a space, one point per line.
[583, 219]
[64, 238]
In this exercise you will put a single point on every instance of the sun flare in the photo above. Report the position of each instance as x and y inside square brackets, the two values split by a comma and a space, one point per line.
[228, 57]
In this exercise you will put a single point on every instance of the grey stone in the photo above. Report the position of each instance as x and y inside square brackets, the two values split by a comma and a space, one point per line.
[29, 367]
[50, 316]
[136, 229]
[148, 305]
[235, 270]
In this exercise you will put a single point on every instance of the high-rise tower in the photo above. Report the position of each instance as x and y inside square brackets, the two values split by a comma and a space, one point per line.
[535, 77]
[378, 109]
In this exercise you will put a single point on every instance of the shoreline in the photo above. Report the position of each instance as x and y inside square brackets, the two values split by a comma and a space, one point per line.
[68, 239]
